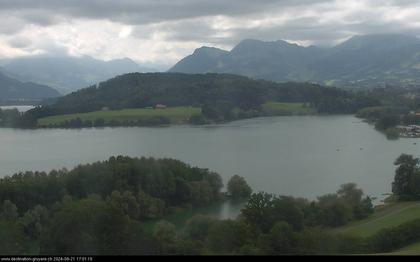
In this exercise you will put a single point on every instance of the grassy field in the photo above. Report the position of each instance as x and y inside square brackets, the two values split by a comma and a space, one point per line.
[389, 216]
[176, 115]
[413, 249]
[276, 108]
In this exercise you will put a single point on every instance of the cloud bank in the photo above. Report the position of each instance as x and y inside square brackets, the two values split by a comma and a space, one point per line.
[163, 31]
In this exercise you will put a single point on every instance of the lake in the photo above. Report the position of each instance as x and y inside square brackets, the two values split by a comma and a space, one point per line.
[19, 108]
[298, 155]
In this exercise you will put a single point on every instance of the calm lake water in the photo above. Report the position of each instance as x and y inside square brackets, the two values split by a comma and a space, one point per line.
[19, 108]
[301, 156]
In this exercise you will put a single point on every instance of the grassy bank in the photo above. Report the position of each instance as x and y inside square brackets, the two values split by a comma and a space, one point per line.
[385, 217]
[176, 115]
[412, 250]
[171, 115]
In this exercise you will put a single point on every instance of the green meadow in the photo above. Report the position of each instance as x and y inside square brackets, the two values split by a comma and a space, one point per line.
[386, 217]
[176, 115]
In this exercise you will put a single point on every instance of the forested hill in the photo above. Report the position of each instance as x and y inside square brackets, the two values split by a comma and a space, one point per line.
[217, 93]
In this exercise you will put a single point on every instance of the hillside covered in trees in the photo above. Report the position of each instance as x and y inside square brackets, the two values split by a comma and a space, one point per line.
[221, 97]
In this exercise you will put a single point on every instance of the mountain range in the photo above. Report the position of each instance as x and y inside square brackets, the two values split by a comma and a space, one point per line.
[14, 90]
[67, 73]
[367, 60]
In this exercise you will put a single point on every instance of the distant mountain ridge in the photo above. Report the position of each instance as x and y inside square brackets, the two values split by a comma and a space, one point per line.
[67, 73]
[14, 90]
[369, 60]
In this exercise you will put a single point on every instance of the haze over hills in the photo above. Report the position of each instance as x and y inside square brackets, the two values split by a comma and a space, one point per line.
[67, 73]
[369, 60]
[12, 89]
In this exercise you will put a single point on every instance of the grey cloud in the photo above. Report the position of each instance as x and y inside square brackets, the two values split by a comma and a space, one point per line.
[311, 29]
[302, 29]
[324, 35]
[195, 20]
[20, 42]
[52, 49]
[189, 30]
[10, 25]
[40, 17]
[143, 12]
[147, 11]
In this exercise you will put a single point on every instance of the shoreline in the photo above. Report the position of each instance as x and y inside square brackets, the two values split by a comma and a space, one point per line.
[185, 123]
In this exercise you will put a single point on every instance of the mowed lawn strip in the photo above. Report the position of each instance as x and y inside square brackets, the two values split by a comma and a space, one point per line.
[288, 108]
[175, 114]
[388, 217]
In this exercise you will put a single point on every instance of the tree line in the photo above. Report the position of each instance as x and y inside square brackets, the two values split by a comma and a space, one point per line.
[397, 107]
[105, 208]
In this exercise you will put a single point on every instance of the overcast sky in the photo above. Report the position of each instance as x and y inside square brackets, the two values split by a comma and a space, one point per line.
[163, 31]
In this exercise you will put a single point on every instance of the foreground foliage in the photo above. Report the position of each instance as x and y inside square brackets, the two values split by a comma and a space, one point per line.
[105, 208]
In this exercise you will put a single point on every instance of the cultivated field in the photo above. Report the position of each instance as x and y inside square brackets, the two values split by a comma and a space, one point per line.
[174, 114]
